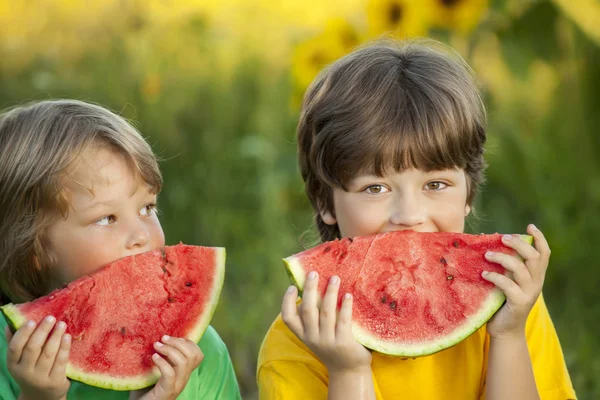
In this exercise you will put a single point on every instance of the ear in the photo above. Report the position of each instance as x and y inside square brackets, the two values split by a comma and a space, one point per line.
[467, 210]
[327, 217]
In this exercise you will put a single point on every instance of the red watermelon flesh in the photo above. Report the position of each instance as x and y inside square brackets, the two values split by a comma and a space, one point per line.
[414, 293]
[116, 314]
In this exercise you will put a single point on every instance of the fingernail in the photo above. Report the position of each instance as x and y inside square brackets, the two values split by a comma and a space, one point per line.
[67, 338]
[489, 253]
[334, 279]
[50, 319]
[61, 325]
[347, 296]
[532, 226]
[155, 356]
[158, 344]
[312, 275]
[291, 289]
[165, 338]
[30, 324]
[506, 238]
[484, 273]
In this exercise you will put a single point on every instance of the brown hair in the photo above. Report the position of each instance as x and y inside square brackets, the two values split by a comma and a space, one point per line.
[40, 144]
[389, 105]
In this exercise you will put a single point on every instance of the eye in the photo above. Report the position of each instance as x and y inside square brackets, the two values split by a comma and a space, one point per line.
[104, 221]
[376, 189]
[148, 210]
[435, 185]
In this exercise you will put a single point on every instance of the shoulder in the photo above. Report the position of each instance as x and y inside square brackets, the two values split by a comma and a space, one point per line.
[212, 345]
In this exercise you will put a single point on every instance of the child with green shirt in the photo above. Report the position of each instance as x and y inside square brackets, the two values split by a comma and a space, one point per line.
[78, 189]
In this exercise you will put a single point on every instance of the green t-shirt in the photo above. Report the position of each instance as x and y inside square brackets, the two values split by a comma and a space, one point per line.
[213, 379]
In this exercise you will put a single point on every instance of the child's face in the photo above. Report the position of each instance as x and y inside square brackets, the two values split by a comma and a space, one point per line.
[413, 199]
[111, 215]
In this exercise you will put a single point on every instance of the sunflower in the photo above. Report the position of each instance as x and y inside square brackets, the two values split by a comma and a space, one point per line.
[459, 15]
[401, 18]
[336, 40]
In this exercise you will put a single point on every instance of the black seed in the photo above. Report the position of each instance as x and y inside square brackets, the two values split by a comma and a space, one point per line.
[393, 305]
[164, 269]
[449, 277]
[443, 261]
[326, 249]
[455, 243]
[384, 299]
[188, 284]
[351, 240]
[123, 331]
[171, 299]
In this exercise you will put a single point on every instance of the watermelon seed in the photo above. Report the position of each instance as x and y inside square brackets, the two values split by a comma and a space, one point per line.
[393, 305]
[449, 277]
[188, 284]
[123, 331]
[384, 299]
[326, 249]
[164, 269]
[171, 299]
[351, 240]
[443, 261]
[455, 243]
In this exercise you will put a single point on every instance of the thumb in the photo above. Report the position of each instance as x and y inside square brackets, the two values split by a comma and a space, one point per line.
[8, 334]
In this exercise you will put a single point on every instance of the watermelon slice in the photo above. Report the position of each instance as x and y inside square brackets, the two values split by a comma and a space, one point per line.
[414, 293]
[116, 314]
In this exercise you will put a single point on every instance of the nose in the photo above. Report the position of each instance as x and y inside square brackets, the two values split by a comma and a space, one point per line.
[407, 210]
[138, 236]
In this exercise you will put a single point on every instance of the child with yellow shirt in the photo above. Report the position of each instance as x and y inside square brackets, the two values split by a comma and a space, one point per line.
[391, 137]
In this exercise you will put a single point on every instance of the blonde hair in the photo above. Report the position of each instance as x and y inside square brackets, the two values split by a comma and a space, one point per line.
[389, 106]
[40, 143]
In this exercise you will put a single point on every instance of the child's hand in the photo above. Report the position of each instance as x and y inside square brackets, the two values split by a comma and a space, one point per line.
[38, 363]
[181, 358]
[524, 289]
[332, 341]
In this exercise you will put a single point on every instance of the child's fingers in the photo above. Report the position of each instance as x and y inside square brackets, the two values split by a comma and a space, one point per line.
[327, 315]
[510, 288]
[167, 373]
[523, 248]
[512, 264]
[289, 312]
[541, 245]
[309, 313]
[345, 317]
[171, 354]
[18, 342]
[59, 369]
[33, 348]
[189, 349]
[50, 349]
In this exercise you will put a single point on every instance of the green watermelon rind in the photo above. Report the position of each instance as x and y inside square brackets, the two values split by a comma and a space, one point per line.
[15, 320]
[490, 306]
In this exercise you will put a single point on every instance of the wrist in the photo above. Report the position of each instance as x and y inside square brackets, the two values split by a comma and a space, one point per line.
[517, 336]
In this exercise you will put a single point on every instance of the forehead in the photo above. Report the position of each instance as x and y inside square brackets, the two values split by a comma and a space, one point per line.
[99, 172]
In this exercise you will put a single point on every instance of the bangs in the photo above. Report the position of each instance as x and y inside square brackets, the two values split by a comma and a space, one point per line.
[413, 125]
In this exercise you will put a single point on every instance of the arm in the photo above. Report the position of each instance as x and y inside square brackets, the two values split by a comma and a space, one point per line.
[510, 371]
[344, 385]
[510, 374]
[330, 337]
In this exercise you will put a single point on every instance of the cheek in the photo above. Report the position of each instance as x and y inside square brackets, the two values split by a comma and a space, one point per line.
[157, 236]
[360, 219]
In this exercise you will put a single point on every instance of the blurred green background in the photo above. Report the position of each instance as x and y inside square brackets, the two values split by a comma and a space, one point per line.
[215, 86]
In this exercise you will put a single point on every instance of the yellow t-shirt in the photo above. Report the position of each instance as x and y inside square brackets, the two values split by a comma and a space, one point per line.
[287, 369]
